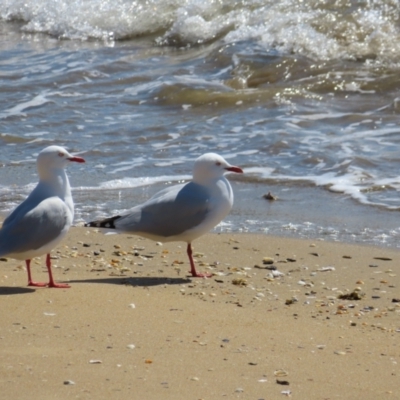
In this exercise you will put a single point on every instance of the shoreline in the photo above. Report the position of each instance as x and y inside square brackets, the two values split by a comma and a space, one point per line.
[134, 324]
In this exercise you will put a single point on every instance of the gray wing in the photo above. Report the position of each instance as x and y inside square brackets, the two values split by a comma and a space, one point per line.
[169, 212]
[33, 224]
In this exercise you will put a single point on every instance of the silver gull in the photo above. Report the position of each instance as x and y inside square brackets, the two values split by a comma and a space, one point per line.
[39, 223]
[182, 212]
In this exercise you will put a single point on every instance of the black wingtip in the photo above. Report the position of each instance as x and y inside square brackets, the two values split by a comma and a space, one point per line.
[104, 223]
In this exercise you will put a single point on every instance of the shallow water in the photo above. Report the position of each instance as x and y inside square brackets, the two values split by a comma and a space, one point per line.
[302, 95]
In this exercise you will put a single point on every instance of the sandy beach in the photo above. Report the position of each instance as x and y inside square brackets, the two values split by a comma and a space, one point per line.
[280, 317]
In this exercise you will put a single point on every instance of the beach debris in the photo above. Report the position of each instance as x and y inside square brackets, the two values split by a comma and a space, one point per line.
[277, 274]
[354, 295]
[268, 260]
[269, 267]
[328, 268]
[239, 282]
[291, 301]
[280, 373]
[269, 196]
[282, 382]
[368, 308]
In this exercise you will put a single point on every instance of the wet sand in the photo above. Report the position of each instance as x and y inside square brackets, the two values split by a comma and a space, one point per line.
[281, 317]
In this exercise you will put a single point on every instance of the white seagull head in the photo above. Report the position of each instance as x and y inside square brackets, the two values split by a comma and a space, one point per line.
[212, 166]
[54, 158]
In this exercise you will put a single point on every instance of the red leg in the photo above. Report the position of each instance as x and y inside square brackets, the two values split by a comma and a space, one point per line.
[51, 280]
[30, 281]
[192, 267]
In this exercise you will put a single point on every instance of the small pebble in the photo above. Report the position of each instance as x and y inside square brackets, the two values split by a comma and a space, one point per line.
[282, 382]
[268, 260]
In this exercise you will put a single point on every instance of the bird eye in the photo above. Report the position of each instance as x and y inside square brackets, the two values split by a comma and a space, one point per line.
[61, 154]
[218, 164]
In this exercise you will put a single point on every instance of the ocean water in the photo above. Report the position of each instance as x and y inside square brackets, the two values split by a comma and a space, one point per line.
[303, 95]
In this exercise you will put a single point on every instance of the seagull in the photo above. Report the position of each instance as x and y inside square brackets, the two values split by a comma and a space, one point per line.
[181, 212]
[39, 223]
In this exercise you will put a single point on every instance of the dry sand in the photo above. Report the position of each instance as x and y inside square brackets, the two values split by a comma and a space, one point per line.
[134, 325]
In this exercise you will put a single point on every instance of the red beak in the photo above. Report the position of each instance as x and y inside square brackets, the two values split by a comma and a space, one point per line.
[235, 169]
[77, 159]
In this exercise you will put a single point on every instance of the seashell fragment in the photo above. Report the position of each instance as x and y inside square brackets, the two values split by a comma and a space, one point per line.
[280, 373]
[328, 268]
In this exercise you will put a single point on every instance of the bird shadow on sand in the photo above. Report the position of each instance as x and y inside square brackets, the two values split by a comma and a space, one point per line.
[7, 290]
[135, 281]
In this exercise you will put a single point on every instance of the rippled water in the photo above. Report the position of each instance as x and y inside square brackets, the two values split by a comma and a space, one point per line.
[303, 95]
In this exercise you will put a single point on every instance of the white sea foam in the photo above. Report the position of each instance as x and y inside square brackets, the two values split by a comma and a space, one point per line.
[19, 109]
[289, 26]
[127, 183]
